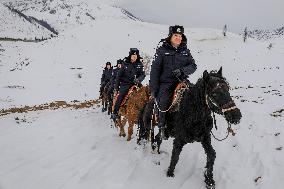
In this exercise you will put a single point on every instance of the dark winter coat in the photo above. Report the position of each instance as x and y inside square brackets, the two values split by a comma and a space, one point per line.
[106, 76]
[113, 78]
[167, 59]
[129, 72]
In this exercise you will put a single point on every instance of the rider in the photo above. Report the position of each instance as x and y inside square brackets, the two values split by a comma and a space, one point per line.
[172, 64]
[106, 76]
[114, 74]
[131, 73]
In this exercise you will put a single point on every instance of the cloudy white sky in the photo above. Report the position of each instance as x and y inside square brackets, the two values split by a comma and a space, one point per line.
[237, 14]
[264, 14]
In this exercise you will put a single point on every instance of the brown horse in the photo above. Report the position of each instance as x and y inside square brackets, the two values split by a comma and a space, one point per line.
[130, 110]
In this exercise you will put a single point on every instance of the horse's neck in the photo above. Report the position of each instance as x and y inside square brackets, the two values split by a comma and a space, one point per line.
[194, 100]
[138, 97]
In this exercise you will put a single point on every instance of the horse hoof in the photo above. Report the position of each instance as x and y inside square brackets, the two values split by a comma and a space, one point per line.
[209, 181]
[210, 187]
[128, 139]
[170, 173]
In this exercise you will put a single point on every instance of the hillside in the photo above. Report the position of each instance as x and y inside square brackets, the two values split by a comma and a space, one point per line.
[69, 148]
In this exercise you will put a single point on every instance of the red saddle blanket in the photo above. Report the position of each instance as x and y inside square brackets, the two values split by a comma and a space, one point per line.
[130, 91]
[180, 88]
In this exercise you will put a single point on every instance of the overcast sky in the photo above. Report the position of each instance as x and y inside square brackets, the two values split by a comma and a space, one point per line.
[264, 14]
[237, 14]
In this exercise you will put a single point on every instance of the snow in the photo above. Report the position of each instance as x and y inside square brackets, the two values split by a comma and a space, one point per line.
[14, 26]
[68, 148]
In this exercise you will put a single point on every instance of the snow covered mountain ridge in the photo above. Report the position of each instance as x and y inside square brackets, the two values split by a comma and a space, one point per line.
[46, 18]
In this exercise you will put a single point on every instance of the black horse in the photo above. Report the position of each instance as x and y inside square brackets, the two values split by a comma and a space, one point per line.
[193, 121]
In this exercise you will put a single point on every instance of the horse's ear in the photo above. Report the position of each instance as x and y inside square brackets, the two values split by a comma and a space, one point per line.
[205, 75]
[220, 71]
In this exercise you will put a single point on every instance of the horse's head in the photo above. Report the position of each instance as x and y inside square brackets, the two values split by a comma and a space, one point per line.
[218, 97]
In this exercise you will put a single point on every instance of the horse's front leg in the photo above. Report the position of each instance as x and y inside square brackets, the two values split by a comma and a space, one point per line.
[177, 148]
[121, 127]
[211, 155]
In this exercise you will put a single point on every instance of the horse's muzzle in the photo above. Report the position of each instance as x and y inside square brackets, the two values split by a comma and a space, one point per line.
[233, 116]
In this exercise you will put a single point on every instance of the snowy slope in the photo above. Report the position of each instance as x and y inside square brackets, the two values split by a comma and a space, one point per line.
[78, 149]
[14, 26]
[65, 14]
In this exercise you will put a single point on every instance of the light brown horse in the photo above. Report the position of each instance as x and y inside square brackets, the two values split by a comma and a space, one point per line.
[130, 110]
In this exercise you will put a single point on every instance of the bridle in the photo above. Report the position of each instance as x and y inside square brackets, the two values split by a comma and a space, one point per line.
[225, 107]
[222, 109]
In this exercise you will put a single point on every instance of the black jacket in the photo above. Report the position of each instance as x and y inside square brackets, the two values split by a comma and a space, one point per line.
[113, 78]
[128, 72]
[167, 59]
[106, 76]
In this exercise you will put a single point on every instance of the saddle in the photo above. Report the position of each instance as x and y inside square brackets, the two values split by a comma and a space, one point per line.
[125, 100]
[177, 96]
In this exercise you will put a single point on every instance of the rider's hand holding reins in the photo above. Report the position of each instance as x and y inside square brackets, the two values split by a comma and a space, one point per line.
[152, 96]
[177, 72]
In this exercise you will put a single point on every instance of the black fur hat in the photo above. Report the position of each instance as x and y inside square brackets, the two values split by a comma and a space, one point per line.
[108, 63]
[134, 51]
[176, 29]
[119, 61]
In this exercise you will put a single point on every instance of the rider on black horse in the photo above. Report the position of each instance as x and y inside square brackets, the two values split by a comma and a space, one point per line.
[106, 77]
[172, 64]
[114, 74]
[131, 73]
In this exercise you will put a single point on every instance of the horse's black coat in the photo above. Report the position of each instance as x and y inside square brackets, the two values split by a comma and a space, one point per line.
[193, 121]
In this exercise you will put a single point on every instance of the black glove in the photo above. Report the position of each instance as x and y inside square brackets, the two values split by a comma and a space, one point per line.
[177, 73]
[136, 81]
[115, 91]
[153, 95]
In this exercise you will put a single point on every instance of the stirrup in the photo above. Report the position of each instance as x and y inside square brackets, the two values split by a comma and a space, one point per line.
[114, 116]
[163, 134]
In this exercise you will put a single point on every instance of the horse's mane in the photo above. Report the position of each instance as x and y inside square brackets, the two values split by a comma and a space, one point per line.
[193, 99]
[137, 100]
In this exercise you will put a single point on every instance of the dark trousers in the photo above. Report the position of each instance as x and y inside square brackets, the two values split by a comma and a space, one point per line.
[122, 93]
[164, 100]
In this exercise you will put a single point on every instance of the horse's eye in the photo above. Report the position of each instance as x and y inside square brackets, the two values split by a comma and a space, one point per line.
[214, 95]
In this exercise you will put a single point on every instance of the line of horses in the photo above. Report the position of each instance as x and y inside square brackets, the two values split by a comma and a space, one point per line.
[190, 121]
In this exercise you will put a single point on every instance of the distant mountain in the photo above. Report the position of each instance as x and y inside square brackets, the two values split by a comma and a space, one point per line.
[266, 34]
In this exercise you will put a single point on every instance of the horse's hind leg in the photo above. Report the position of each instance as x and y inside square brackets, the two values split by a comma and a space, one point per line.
[109, 107]
[105, 105]
[121, 126]
[211, 155]
[103, 102]
[177, 148]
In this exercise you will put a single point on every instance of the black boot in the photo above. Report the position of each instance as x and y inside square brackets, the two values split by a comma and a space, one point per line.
[114, 116]
[162, 126]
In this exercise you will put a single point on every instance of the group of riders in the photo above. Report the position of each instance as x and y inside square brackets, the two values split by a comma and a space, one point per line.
[172, 64]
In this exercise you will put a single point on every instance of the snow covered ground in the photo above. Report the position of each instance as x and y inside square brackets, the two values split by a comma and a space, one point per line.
[77, 148]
